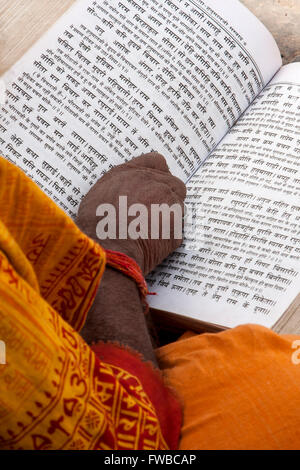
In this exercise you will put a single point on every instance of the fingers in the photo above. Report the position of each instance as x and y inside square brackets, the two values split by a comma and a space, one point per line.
[156, 161]
[148, 161]
[178, 187]
[151, 168]
[167, 179]
[153, 160]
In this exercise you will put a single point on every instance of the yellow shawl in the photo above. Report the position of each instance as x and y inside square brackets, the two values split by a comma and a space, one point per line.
[54, 392]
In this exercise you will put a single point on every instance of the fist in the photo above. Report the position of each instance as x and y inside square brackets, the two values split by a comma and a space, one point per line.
[136, 208]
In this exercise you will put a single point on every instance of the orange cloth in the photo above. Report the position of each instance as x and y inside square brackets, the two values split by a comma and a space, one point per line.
[55, 393]
[240, 389]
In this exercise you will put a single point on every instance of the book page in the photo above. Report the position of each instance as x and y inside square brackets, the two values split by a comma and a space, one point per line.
[241, 259]
[114, 79]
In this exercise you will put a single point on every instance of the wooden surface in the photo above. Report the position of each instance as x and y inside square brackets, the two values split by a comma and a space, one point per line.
[22, 22]
[282, 18]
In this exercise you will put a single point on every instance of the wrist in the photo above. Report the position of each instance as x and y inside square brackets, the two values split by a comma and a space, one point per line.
[117, 315]
[126, 247]
[116, 300]
[129, 247]
[119, 287]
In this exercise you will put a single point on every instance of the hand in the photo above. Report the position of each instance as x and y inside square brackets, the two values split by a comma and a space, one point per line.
[144, 180]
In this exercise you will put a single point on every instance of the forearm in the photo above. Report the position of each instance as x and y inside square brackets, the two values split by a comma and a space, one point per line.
[117, 315]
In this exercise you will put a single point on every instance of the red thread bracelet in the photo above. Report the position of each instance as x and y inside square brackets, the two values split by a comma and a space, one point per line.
[130, 268]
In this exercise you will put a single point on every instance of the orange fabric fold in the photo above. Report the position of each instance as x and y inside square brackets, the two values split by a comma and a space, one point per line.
[239, 388]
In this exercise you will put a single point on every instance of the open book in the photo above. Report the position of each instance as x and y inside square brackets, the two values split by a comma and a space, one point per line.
[202, 82]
